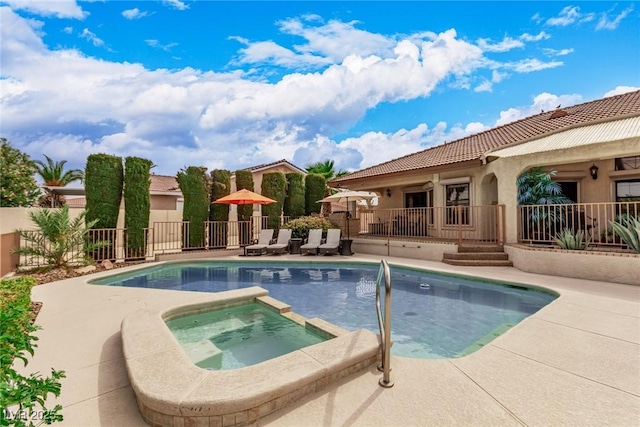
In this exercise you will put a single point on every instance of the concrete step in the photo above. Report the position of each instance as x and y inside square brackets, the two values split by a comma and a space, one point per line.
[480, 248]
[500, 256]
[478, 263]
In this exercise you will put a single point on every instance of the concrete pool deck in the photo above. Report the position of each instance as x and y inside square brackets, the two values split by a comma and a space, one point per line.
[575, 362]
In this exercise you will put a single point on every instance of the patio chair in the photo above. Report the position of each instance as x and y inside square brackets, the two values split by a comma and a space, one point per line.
[261, 246]
[282, 244]
[314, 240]
[332, 245]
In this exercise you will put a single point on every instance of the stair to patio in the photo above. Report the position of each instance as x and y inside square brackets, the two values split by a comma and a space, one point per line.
[478, 256]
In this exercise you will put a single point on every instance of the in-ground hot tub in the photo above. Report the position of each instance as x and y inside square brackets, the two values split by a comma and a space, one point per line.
[172, 391]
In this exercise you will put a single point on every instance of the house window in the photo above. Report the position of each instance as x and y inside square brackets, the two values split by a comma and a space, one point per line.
[569, 190]
[628, 192]
[457, 195]
[415, 200]
[627, 163]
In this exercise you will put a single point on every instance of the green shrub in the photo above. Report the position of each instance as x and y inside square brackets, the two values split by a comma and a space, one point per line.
[220, 187]
[300, 227]
[21, 396]
[59, 240]
[572, 240]
[274, 186]
[103, 187]
[294, 202]
[18, 187]
[137, 202]
[314, 190]
[629, 232]
[193, 184]
[244, 181]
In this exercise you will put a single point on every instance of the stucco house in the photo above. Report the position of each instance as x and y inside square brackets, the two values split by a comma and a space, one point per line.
[466, 189]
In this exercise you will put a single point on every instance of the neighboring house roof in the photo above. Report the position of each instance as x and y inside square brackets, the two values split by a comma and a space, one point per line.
[473, 147]
[285, 162]
[163, 183]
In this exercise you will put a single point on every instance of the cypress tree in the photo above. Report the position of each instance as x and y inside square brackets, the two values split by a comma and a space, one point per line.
[137, 203]
[193, 184]
[314, 190]
[103, 182]
[244, 181]
[274, 186]
[220, 187]
[294, 202]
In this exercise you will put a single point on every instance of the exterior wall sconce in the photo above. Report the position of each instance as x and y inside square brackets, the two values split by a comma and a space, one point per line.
[593, 170]
[388, 192]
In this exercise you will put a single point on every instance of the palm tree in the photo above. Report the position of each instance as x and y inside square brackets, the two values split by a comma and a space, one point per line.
[54, 175]
[326, 169]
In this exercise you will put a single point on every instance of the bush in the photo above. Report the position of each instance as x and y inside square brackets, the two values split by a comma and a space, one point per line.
[314, 190]
[300, 227]
[629, 232]
[103, 187]
[294, 202]
[572, 240]
[220, 187]
[22, 396]
[274, 186]
[17, 184]
[137, 203]
[193, 184]
[244, 181]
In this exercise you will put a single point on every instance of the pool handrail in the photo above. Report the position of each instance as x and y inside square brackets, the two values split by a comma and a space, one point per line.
[384, 323]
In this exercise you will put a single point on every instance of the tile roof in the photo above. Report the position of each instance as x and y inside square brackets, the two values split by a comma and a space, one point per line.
[474, 146]
[163, 183]
[278, 162]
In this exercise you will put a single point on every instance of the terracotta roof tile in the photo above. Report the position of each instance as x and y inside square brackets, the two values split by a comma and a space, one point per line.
[474, 146]
[164, 183]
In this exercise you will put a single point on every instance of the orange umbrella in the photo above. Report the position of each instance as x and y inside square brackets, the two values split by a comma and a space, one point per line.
[245, 197]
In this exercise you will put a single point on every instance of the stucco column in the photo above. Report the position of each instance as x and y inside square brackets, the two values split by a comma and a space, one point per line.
[508, 196]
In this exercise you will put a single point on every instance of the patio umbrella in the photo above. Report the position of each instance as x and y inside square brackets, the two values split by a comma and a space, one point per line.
[347, 196]
[245, 197]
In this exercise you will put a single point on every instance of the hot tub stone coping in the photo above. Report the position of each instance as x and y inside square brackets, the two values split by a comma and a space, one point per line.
[172, 391]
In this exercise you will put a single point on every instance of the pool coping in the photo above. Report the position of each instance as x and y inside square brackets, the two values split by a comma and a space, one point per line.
[172, 391]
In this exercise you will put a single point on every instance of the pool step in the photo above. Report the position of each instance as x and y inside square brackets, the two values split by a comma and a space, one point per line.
[478, 256]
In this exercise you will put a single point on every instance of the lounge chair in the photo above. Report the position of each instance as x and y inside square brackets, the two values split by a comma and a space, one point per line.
[261, 247]
[282, 245]
[314, 240]
[332, 245]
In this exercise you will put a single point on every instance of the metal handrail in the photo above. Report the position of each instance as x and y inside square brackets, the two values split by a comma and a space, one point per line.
[385, 323]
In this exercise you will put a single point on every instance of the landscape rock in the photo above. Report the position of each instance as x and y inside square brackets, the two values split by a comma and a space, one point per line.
[84, 270]
[106, 264]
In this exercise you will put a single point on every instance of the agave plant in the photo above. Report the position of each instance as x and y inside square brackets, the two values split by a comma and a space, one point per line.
[59, 239]
[629, 232]
[572, 240]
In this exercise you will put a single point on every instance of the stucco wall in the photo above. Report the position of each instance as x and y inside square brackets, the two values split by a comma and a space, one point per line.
[162, 202]
[414, 250]
[590, 265]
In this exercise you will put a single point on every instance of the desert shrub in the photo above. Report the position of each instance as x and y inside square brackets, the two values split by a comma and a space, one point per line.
[103, 187]
[137, 202]
[59, 240]
[629, 232]
[572, 240]
[220, 187]
[314, 186]
[22, 397]
[244, 181]
[300, 227]
[274, 186]
[294, 202]
[193, 184]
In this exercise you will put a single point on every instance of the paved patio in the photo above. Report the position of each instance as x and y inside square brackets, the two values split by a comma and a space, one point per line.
[575, 362]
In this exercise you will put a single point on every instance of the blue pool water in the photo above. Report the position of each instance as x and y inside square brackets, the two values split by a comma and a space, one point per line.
[433, 315]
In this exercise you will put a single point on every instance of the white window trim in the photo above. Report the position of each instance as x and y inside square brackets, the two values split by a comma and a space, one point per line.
[460, 180]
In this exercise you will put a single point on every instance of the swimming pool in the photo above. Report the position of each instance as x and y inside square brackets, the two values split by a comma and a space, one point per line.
[433, 315]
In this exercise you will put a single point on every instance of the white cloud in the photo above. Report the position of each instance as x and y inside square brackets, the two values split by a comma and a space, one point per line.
[67, 30]
[557, 52]
[485, 86]
[537, 18]
[531, 64]
[156, 44]
[268, 52]
[570, 15]
[619, 90]
[134, 13]
[534, 38]
[542, 102]
[503, 46]
[605, 23]
[88, 35]
[497, 76]
[176, 4]
[57, 8]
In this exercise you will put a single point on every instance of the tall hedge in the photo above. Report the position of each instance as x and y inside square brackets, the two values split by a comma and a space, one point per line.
[314, 185]
[137, 203]
[244, 181]
[294, 202]
[103, 182]
[274, 186]
[220, 187]
[193, 184]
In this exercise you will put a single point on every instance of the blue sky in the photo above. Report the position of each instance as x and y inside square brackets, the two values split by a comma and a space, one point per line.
[235, 84]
